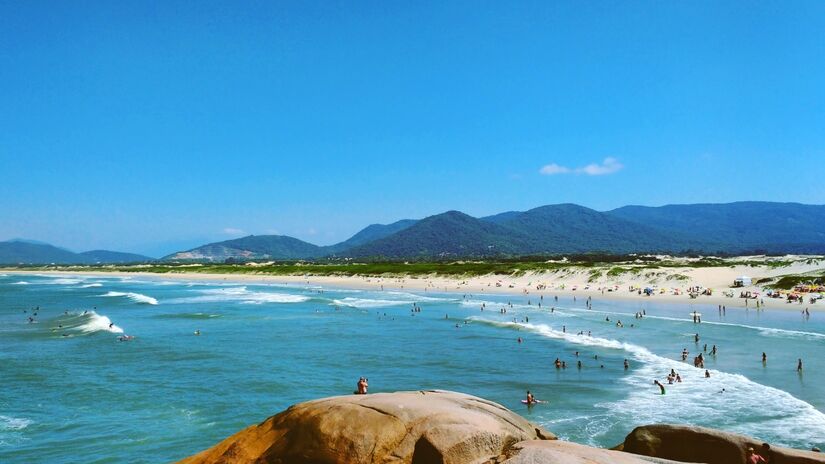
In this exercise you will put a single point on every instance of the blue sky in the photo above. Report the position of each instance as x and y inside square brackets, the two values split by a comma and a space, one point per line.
[154, 126]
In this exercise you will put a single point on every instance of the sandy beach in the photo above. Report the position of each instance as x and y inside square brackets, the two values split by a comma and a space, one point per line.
[670, 284]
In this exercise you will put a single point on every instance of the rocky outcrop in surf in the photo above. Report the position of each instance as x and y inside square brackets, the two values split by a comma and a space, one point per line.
[698, 444]
[440, 427]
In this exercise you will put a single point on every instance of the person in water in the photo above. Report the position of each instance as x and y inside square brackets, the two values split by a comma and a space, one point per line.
[530, 398]
[707, 374]
[799, 365]
[764, 358]
[661, 387]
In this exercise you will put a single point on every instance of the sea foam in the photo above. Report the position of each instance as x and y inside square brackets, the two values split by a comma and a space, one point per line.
[13, 423]
[770, 331]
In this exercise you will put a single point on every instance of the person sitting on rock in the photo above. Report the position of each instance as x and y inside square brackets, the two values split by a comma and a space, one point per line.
[362, 386]
[754, 458]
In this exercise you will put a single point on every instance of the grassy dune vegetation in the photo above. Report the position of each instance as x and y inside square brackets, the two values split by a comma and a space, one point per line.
[596, 266]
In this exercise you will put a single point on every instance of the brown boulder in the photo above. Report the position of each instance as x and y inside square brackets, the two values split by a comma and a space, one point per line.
[404, 427]
[699, 444]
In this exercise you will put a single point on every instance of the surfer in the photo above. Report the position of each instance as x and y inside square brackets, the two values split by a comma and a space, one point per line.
[661, 387]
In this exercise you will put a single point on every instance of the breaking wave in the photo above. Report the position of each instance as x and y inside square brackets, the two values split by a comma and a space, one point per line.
[242, 295]
[136, 297]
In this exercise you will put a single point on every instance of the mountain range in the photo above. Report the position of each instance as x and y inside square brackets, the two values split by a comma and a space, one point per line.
[731, 228]
[20, 251]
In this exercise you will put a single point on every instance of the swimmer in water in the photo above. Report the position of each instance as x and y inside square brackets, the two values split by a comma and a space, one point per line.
[198, 332]
[661, 387]
[530, 399]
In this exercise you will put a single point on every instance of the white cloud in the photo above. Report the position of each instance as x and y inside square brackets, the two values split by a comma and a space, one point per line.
[554, 168]
[233, 231]
[608, 166]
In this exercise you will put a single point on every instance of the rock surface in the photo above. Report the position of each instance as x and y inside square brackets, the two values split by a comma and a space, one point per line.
[404, 427]
[562, 452]
[699, 444]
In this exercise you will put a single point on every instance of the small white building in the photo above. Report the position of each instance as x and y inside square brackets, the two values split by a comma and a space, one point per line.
[742, 281]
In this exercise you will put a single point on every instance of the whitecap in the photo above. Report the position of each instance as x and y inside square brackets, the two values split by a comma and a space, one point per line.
[242, 295]
[368, 302]
[92, 285]
[13, 423]
[136, 297]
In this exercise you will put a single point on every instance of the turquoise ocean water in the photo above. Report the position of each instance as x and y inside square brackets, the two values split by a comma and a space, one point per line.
[72, 392]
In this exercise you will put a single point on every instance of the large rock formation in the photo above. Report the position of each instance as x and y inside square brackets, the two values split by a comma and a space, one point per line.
[439, 427]
[699, 444]
[404, 427]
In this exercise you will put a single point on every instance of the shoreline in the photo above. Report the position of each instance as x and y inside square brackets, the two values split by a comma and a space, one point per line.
[516, 287]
